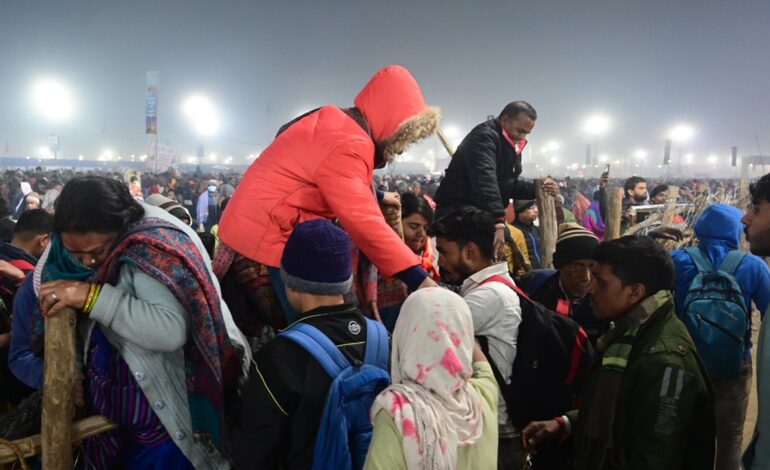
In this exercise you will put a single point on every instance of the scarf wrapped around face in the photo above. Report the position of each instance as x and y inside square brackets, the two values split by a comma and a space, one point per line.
[433, 405]
[166, 253]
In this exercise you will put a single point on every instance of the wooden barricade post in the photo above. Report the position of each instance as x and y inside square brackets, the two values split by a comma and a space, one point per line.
[548, 226]
[614, 213]
[58, 384]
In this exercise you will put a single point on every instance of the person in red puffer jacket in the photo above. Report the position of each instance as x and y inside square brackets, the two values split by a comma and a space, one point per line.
[321, 166]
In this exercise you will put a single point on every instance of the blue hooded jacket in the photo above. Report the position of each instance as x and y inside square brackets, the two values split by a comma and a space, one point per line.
[719, 230]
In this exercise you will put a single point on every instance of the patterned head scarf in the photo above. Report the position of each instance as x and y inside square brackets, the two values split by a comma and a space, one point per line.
[433, 405]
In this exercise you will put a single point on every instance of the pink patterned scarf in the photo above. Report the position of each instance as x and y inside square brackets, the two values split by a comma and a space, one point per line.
[433, 405]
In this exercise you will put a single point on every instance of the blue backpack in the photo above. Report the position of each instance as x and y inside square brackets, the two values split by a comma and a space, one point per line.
[715, 314]
[345, 431]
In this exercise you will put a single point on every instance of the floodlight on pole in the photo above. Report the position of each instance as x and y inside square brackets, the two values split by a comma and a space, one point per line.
[202, 114]
[53, 100]
[681, 133]
[640, 154]
[597, 125]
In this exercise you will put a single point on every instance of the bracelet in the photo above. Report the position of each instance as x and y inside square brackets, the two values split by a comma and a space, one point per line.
[93, 294]
[564, 427]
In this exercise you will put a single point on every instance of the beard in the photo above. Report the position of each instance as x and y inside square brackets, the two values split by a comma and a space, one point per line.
[759, 244]
[640, 198]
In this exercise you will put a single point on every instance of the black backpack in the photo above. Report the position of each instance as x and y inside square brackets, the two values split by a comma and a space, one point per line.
[552, 356]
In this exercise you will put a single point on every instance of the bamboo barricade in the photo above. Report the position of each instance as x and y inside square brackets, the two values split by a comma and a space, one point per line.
[58, 432]
[614, 213]
[31, 446]
[548, 225]
[444, 141]
[58, 383]
[671, 209]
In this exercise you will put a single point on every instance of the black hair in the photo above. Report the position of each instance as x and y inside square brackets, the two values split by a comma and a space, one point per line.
[33, 222]
[760, 191]
[637, 259]
[414, 204]
[514, 108]
[631, 183]
[95, 204]
[209, 242]
[661, 188]
[467, 224]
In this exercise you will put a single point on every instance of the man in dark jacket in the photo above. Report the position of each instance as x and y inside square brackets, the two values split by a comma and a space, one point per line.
[484, 171]
[285, 395]
[647, 401]
[565, 291]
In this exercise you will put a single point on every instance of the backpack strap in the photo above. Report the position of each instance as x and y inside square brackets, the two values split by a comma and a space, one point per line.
[731, 261]
[701, 261]
[319, 346]
[504, 280]
[376, 344]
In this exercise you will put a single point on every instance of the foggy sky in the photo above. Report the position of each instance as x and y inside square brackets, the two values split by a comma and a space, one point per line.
[647, 65]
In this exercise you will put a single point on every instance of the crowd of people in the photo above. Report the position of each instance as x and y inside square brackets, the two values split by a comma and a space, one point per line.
[309, 314]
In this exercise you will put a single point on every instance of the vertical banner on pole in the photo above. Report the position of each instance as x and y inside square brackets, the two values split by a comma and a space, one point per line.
[588, 154]
[151, 107]
[151, 117]
[667, 152]
[735, 156]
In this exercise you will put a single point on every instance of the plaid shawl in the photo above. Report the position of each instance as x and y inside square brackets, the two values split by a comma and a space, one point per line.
[166, 253]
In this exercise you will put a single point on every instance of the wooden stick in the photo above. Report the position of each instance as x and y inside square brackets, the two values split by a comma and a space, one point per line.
[82, 429]
[671, 209]
[548, 226]
[58, 383]
[444, 141]
[614, 213]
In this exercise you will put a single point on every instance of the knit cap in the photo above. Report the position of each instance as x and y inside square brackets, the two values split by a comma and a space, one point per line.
[170, 206]
[521, 206]
[316, 259]
[574, 243]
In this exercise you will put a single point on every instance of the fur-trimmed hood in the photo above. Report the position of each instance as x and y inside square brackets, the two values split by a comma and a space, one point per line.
[395, 110]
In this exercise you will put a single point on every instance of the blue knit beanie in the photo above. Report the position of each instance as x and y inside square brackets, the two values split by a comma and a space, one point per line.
[316, 259]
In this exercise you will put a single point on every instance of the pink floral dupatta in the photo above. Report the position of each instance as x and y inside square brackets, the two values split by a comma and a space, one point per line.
[433, 405]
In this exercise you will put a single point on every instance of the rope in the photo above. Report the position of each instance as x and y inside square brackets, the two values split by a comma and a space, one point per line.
[16, 450]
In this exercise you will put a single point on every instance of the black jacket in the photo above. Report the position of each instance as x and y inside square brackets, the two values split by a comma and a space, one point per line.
[484, 172]
[285, 395]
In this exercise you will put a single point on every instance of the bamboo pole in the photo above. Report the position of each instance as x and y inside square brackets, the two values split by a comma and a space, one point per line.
[444, 141]
[614, 213]
[671, 209]
[548, 226]
[58, 383]
[31, 446]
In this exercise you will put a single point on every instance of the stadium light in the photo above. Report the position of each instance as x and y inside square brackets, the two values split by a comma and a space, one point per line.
[53, 100]
[597, 125]
[681, 133]
[202, 114]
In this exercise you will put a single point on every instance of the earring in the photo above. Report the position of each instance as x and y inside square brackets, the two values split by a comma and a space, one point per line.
[93, 261]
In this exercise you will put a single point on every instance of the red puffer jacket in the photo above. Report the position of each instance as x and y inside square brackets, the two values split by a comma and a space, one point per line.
[322, 166]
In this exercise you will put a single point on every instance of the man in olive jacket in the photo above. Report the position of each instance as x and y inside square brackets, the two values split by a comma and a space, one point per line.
[647, 402]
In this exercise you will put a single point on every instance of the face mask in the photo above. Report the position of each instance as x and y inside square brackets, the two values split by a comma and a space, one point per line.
[212, 189]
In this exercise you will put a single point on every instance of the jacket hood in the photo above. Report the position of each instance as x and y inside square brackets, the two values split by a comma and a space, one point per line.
[395, 110]
[720, 224]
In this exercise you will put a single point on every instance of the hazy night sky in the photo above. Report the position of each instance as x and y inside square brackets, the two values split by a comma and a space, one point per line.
[647, 65]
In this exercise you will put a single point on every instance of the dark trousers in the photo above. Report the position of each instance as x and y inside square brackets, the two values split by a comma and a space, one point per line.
[731, 398]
